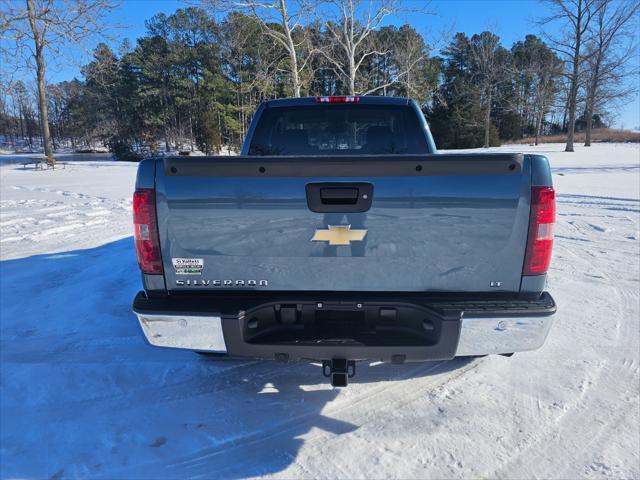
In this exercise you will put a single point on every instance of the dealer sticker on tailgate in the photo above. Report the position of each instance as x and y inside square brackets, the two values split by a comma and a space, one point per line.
[188, 266]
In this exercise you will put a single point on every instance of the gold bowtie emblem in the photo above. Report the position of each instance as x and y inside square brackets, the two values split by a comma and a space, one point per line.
[339, 235]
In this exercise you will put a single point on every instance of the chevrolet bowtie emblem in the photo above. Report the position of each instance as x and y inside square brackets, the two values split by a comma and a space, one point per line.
[339, 235]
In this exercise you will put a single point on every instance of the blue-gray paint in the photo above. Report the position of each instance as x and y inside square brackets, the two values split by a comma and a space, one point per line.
[533, 284]
[436, 233]
[153, 282]
[541, 171]
[146, 173]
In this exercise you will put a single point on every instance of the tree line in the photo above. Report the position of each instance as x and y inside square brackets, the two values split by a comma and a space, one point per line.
[195, 78]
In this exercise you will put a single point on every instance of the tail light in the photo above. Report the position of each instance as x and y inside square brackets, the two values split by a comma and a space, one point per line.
[540, 240]
[343, 99]
[146, 231]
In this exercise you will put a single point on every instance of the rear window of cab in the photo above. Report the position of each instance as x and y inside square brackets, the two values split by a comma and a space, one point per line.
[351, 129]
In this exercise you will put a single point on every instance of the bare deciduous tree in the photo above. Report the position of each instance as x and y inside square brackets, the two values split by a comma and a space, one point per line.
[545, 89]
[610, 49]
[416, 70]
[38, 29]
[349, 34]
[575, 17]
[281, 20]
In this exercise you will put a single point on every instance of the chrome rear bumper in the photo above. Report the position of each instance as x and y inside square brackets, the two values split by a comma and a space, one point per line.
[202, 333]
[478, 335]
[484, 336]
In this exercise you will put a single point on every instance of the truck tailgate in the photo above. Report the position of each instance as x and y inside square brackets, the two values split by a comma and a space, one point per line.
[428, 222]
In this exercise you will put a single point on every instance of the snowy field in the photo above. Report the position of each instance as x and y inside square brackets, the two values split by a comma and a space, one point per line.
[83, 396]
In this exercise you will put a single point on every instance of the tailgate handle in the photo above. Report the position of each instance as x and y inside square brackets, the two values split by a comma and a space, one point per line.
[339, 196]
[335, 197]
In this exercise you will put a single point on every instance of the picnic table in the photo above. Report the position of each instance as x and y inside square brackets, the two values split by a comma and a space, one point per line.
[40, 163]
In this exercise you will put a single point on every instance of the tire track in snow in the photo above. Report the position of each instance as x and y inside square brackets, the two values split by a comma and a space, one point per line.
[538, 459]
[260, 442]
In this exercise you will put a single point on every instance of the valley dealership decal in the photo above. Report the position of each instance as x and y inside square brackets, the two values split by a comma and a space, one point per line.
[188, 266]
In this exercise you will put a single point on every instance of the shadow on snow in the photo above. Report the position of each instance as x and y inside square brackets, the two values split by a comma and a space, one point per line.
[84, 395]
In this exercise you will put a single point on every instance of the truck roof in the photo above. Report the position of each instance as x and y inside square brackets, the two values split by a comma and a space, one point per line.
[366, 99]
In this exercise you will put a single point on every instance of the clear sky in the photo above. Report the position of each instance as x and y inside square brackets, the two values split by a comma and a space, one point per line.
[510, 19]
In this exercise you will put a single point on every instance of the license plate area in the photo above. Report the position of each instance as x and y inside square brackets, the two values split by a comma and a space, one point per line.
[362, 324]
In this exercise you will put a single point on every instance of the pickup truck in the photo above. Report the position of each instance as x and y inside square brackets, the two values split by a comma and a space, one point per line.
[341, 234]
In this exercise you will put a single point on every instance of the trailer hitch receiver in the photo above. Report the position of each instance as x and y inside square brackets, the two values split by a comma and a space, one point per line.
[339, 370]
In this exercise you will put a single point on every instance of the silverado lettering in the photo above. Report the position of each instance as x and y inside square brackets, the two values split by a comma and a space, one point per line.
[222, 283]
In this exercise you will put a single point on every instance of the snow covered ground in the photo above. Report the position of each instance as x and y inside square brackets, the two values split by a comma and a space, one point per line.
[83, 396]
